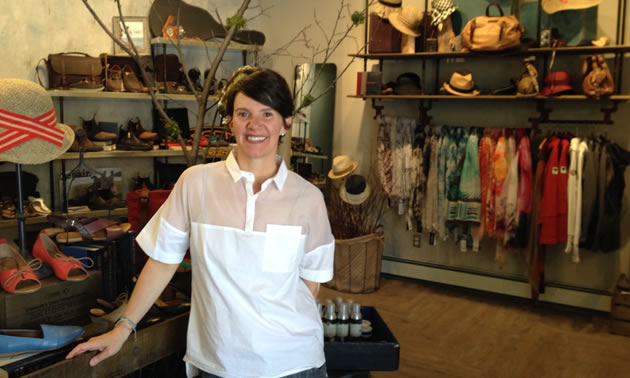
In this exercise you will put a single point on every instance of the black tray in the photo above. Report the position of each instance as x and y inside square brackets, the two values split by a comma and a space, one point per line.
[380, 352]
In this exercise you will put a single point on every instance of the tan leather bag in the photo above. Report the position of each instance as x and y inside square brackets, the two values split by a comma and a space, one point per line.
[492, 33]
[66, 69]
[598, 80]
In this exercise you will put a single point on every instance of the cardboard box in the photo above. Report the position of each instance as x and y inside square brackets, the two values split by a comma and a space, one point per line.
[380, 352]
[57, 302]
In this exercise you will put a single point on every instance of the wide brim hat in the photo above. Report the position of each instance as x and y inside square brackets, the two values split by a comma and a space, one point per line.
[342, 166]
[461, 84]
[29, 131]
[556, 82]
[553, 6]
[408, 83]
[440, 10]
[355, 183]
[408, 21]
[383, 8]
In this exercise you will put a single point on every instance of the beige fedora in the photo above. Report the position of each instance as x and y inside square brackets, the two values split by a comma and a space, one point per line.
[383, 8]
[553, 6]
[355, 191]
[461, 84]
[408, 21]
[342, 166]
[29, 131]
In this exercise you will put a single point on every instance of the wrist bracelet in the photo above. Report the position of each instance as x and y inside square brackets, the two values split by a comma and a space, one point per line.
[130, 325]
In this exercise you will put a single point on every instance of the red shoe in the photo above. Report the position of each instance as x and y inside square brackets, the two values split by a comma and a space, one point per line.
[66, 268]
[16, 275]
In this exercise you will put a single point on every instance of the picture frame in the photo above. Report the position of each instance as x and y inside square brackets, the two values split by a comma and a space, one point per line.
[139, 31]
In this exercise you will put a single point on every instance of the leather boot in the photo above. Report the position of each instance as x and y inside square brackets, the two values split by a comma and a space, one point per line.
[135, 126]
[81, 142]
[129, 141]
[132, 84]
[114, 81]
[94, 132]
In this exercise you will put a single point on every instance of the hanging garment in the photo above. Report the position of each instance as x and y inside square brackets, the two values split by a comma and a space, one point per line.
[511, 188]
[563, 180]
[574, 248]
[429, 220]
[524, 192]
[486, 150]
[572, 187]
[403, 164]
[417, 188]
[549, 211]
[443, 148]
[535, 250]
[455, 163]
[426, 162]
[498, 179]
[590, 194]
[384, 154]
[470, 190]
[608, 236]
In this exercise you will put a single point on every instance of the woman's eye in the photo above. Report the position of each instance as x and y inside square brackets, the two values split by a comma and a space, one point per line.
[242, 114]
[268, 114]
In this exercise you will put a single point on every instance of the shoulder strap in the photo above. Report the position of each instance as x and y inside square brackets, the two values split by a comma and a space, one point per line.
[37, 71]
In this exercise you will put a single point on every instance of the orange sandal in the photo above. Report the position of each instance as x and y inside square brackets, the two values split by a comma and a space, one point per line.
[66, 268]
[16, 275]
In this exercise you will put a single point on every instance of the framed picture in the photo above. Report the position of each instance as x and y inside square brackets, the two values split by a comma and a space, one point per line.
[138, 28]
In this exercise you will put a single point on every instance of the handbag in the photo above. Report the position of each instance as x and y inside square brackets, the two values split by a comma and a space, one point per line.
[67, 69]
[598, 80]
[492, 33]
[384, 37]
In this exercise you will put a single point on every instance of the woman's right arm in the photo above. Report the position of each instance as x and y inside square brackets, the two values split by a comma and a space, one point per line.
[152, 280]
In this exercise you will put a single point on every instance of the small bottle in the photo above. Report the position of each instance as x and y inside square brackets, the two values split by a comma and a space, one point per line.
[330, 323]
[343, 323]
[320, 309]
[338, 302]
[349, 305]
[355, 321]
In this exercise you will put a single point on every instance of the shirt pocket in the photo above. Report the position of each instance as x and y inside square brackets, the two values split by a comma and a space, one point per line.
[282, 247]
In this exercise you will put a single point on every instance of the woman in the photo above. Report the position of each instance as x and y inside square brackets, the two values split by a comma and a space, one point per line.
[260, 244]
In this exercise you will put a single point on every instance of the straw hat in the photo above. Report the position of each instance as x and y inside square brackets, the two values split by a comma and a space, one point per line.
[461, 84]
[553, 6]
[355, 191]
[408, 21]
[383, 8]
[342, 166]
[29, 131]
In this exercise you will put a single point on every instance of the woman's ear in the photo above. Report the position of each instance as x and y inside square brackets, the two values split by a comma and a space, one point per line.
[287, 123]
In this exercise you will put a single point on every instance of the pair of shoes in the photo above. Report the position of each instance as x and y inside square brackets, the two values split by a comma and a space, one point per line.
[114, 82]
[66, 268]
[16, 275]
[39, 206]
[94, 131]
[50, 337]
[135, 126]
[8, 208]
[81, 141]
[128, 141]
[123, 80]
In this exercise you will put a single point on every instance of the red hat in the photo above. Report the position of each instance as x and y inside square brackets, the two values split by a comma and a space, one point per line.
[557, 82]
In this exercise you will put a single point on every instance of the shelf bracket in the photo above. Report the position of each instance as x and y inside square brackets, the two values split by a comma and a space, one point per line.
[425, 118]
[378, 108]
[544, 112]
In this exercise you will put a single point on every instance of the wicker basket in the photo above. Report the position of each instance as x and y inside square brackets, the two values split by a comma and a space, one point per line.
[358, 264]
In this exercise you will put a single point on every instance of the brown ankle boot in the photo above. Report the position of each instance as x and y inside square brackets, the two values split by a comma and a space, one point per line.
[135, 126]
[81, 142]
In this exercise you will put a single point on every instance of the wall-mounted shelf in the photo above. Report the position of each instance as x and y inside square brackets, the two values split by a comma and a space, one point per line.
[124, 95]
[207, 44]
[488, 97]
[307, 155]
[139, 154]
[40, 219]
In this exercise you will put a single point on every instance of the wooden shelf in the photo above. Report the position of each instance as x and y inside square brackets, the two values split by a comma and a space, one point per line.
[207, 44]
[487, 97]
[465, 54]
[140, 154]
[309, 155]
[124, 95]
[8, 223]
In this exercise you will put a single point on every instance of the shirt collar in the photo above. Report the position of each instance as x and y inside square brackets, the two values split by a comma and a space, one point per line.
[235, 171]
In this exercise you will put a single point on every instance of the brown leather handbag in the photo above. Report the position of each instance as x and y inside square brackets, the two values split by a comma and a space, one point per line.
[67, 69]
[598, 80]
[492, 33]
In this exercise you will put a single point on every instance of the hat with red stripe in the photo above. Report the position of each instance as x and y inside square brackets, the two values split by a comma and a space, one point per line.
[29, 131]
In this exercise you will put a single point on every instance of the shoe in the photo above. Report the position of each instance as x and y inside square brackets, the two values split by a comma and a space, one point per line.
[109, 312]
[128, 141]
[16, 275]
[17, 341]
[114, 81]
[81, 142]
[94, 131]
[66, 268]
[73, 230]
[130, 80]
[102, 229]
[29, 211]
[195, 77]
[39, 206]
[135, 126]
[8, 208]
[87, 86]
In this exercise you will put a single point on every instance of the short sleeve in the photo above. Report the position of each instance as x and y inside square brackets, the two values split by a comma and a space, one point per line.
[319, 247]
[165, 237]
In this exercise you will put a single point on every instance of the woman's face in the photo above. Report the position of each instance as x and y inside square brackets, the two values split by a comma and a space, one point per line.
[257, 128]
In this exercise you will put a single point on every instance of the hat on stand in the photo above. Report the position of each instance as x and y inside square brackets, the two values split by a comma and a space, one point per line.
[461, 84]
[553, 6]
[29, 131]
[557, 82]
[408, 83]
[440, 10]
[408, 21]
[383, 8]
[342, 166]
[355, 191]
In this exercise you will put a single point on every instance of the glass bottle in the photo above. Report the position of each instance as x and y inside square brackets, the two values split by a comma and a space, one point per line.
[343, 323]
[355, 321]
[330, 323]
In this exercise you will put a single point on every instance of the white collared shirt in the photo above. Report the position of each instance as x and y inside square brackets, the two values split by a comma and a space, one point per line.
[251, 313]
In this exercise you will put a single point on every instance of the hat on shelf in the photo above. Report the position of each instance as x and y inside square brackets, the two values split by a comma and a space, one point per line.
[553, 6]
[408, 83]
[342, 166]
[355, 191]
[408, 21]
[557, 82]
[440, 10]
[383, 8]
[461, 84]
[29, 131]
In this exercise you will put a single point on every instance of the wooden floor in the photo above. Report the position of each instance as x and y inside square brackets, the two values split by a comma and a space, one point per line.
[450, 332]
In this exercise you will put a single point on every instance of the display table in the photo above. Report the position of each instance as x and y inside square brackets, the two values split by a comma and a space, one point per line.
[152, 344]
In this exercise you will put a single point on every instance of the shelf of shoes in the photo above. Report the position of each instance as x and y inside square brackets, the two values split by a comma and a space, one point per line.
[124, 95]
[486, 97]
[207, 44]
[175, 151]
[40, 219]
